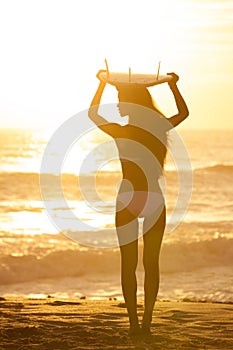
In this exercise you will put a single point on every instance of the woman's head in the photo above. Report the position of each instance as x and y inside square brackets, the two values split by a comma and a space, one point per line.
[129, 96]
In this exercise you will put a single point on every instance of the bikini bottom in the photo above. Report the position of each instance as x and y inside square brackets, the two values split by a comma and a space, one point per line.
[140, 203]
[132, 205]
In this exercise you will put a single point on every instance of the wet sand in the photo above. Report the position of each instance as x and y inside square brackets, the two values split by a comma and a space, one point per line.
[92, 324]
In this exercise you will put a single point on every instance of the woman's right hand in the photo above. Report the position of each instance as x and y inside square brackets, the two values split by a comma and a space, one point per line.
[174, 80]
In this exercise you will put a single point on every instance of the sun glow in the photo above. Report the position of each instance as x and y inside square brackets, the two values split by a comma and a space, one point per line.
[48, 71]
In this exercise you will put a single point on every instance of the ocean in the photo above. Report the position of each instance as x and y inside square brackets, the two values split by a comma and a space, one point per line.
[38, 258]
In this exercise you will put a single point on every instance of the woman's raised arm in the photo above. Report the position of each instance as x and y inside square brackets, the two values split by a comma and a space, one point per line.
[94, 106]
[183, 111]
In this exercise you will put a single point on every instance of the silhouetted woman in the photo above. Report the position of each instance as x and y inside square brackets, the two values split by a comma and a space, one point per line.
[141, 145]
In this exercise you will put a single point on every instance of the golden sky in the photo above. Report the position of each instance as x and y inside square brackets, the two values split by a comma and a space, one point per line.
[52, 49]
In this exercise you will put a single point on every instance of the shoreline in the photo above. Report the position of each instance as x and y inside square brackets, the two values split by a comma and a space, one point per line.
[56, 323]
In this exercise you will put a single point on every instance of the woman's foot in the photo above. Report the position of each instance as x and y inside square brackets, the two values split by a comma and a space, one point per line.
[145, 329]
[146, 324]
[134, 330]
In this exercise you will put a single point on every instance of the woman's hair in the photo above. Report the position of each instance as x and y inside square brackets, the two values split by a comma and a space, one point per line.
[140, 95]
[137, 95]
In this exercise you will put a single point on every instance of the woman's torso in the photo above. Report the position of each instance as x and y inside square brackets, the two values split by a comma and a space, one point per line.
[142, 157]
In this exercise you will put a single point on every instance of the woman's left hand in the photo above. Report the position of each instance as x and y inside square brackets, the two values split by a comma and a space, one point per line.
[99, 72]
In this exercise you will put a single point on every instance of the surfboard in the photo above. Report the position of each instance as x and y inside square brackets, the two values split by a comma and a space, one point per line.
[117, 78]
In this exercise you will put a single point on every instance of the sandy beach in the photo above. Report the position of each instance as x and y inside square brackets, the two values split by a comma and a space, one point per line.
[92, 324]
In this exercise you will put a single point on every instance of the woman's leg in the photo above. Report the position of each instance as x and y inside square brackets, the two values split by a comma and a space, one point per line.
[152, 236]
[129, 258]
[127, 226]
